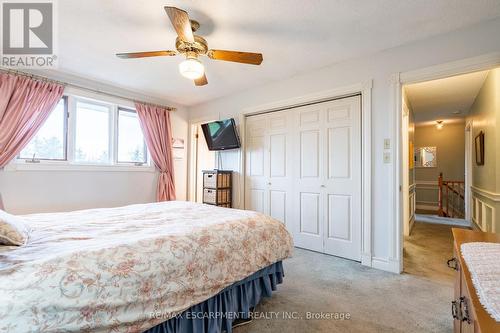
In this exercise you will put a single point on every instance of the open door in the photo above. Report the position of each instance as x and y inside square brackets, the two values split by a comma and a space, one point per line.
[468, 171]
[201, 159]
[405, 187]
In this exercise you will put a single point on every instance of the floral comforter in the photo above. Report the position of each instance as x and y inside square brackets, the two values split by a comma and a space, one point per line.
[127, 269]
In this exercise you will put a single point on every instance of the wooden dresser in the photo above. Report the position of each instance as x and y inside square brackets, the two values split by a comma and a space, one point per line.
[468, 313]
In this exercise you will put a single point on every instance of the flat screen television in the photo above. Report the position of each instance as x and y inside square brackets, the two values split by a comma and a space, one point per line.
[221, 135]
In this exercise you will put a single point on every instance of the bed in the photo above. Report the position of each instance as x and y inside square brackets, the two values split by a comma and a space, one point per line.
[136, 268]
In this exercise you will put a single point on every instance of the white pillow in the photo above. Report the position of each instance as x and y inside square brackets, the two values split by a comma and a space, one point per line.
[13, 230]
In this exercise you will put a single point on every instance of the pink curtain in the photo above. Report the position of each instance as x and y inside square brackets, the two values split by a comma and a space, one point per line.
[155, 124]
[25, 104]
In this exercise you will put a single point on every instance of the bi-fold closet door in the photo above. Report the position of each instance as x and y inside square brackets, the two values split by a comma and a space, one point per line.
[268, 165]
[303, 167]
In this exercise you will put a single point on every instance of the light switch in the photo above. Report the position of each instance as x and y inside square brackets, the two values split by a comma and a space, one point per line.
[387, 143]
[387, 157]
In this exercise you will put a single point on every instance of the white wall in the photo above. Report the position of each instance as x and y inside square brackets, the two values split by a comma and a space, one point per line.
[473, 41]
[54, 190]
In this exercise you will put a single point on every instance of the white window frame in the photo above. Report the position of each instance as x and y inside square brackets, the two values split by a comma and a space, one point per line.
[65, 143]
[69, 163]
[117, 134]
[73, 124]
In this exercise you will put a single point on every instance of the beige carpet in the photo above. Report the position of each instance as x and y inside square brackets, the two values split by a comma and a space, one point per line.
[426, 251]
[417, 301]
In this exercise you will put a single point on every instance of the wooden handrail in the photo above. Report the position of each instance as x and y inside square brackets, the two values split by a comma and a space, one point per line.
[450, 197]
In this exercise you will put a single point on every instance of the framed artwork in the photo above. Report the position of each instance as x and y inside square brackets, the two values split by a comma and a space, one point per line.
[177, 143]
[479, 147]
[426, 157]
[178, 148]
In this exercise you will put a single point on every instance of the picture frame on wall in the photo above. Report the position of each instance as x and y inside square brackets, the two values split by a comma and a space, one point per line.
[479, 147]
[178, 148]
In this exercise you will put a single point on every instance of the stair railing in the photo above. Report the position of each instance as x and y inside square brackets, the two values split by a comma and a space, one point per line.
[451, 198]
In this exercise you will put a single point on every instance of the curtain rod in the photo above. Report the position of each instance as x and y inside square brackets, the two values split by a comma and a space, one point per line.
[66, 84]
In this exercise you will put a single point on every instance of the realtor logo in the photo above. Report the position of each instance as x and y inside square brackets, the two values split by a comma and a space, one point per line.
[28, 34]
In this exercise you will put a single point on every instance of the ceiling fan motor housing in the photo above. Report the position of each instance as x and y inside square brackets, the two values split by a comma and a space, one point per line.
[199, 46]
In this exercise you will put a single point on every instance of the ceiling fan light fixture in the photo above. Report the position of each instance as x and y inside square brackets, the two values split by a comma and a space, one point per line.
[191, 68]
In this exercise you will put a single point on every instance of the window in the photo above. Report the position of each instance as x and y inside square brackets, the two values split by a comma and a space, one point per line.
[50, 142]
[131, 145]
[88, 134]
[92, 132]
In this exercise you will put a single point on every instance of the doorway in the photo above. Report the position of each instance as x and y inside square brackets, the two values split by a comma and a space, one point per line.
[439, 119]
[200, 159]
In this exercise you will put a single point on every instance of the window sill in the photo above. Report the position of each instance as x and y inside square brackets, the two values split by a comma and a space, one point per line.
[62, 166]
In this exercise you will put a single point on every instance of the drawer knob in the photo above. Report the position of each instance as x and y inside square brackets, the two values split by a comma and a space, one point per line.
[452, 263]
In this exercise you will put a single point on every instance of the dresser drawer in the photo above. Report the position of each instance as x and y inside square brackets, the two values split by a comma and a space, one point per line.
[210, 180]
[210, 196]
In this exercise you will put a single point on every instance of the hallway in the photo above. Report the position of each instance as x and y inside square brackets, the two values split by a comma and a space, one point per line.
[426, 251]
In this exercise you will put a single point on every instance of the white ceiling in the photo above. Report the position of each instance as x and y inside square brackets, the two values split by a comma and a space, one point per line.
[445, 99]
[295, 36]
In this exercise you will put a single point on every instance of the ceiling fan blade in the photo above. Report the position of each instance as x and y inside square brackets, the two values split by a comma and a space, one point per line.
[235, 56]
[201, 81]
[145, 54]
[181, 23]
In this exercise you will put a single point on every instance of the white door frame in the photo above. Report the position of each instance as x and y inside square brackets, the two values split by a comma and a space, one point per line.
[406, 168]
[193, 157]
[468, 171]
[192, 162]
[365, 89]
[475, 64]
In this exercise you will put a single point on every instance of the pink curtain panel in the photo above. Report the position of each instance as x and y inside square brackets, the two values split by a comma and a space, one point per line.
[25, 104]
[155, 124]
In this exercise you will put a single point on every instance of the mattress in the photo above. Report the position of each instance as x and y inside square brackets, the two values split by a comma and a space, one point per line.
[115, 269]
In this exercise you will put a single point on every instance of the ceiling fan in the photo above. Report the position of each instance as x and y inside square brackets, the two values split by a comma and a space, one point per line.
[192, 46]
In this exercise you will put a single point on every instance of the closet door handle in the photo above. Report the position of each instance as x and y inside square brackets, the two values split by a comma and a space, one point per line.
[323, 185]
[269, 183]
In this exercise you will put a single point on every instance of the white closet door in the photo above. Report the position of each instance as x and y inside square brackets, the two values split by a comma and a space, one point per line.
[342, 234]
[280, 166]
[303, 167]
[308, 162]
[268, 167]
[256, 160]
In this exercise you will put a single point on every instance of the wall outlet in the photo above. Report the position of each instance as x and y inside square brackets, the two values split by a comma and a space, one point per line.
[387, 143]
[387, 157]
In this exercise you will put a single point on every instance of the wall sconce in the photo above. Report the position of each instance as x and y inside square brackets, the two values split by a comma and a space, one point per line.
[439, 124]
